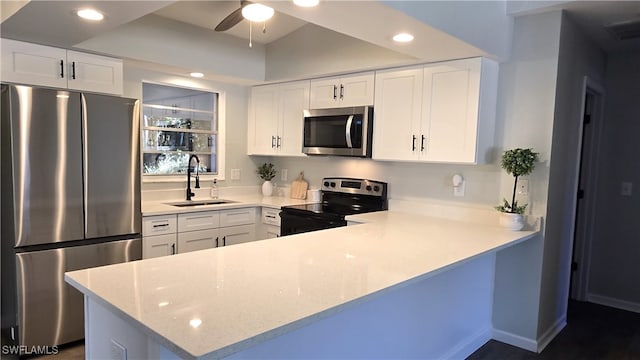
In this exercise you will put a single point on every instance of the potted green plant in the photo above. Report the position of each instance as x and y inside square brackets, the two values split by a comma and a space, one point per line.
[517, 162]
[267, 171]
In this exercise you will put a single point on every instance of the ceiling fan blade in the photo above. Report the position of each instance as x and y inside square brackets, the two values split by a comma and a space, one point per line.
[230, 21]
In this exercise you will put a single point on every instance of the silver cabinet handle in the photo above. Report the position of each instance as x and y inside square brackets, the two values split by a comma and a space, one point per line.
[347, 132]
[278, 142]
[422, 143]
[341, 91]
[273, 142]
[173, 249]
[413, 144]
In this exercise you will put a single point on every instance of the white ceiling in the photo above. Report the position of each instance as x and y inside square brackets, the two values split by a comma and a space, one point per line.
[54, 22]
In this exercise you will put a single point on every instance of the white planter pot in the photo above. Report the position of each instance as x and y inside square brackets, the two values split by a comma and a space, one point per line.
[267, 188]
[510, 221]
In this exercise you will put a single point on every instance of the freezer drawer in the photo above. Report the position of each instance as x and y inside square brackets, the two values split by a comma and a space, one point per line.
[50, 312]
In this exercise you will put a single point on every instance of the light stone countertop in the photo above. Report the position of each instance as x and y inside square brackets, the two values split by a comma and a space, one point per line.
[244, 294]
[150, 208]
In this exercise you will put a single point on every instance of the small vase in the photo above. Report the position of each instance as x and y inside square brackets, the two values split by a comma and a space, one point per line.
[267, 188]
[511, 221]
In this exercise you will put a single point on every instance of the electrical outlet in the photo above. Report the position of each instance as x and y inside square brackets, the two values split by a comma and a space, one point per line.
[118, 352]
[235, 174]
[284, 174]
[626, 188]
[523, 187]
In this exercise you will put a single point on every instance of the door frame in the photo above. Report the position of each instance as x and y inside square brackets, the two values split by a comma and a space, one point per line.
[582, 247]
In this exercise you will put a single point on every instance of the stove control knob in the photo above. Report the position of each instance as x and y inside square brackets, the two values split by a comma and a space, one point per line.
[376, 188]
[326, 184]
[368, 188]
[333, 184]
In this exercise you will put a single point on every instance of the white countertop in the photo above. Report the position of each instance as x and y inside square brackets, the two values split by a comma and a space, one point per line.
[244, 294]
[150, 208]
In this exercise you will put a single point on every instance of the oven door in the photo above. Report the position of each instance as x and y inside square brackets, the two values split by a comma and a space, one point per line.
[345, 132]
[296, 223]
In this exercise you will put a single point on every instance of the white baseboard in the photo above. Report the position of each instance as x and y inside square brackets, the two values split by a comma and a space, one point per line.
[515, 340]
[551, 333]
[613, 302]
[469, 345]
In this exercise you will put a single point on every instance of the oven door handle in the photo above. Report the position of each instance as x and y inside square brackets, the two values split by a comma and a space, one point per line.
[347, 132]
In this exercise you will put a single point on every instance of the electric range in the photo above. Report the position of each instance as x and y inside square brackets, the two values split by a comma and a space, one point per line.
[340, 197]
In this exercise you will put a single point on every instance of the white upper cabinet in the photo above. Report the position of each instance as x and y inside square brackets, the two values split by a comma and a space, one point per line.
[33, 64]
[449, 118]
[276, 117]
[94, 73]
[397, 114]
[343, 91]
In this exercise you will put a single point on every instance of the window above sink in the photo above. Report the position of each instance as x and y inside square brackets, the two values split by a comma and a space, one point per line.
[176, 123]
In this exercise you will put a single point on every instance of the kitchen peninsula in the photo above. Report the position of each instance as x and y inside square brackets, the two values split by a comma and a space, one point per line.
[396, 285]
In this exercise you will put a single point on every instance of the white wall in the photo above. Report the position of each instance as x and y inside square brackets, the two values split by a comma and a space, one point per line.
[579, 57]
[525, 109]
[313, 51]
[615, 269]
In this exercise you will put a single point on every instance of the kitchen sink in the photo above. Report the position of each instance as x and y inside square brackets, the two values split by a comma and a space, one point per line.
[200, 202]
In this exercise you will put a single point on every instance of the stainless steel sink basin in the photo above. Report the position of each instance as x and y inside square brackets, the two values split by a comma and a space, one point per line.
[200, 202]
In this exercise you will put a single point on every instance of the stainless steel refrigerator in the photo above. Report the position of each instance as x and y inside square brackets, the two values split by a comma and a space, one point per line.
[70, 195]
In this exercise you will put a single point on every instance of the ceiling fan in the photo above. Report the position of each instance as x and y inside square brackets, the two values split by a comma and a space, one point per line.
[251, 11]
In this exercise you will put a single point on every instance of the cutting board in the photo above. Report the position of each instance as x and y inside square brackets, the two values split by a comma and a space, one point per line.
[299, 188]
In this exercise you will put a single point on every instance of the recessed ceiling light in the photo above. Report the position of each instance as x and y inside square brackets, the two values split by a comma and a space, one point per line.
[90, 14]
[403, 37]
[306, 3]
[257, 12]
[196, 74]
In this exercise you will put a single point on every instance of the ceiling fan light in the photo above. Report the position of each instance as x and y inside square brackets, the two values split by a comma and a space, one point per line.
[257, 12]
[306, 3]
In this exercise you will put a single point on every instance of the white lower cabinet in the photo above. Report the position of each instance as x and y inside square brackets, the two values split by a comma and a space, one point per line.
[270, 223]
[175, 234]
[198, 240]
[159, 245]
[237, 234]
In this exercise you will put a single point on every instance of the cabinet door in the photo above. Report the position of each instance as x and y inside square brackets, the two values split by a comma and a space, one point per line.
[159, 245]
[271, 231]
[356, 90]
[237, 234]
[263, 120]
[32, 64]
[397, 114]
[324, 93]
[450, 110]
[293, 100]
[197, 240]
[88, 72]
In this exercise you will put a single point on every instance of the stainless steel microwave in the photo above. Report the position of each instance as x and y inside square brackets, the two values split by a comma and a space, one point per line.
[339, 131]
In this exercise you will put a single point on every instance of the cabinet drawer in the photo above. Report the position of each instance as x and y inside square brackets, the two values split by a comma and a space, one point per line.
[236, 217]
[198, 221]
[271, 216]
[159, 225]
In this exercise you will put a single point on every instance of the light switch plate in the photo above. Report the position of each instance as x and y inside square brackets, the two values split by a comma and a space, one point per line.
[523, 187]
[284, 174]
[235, 174]
[626, 188]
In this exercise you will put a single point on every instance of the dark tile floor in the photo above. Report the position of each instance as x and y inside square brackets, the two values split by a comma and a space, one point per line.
[592, 332]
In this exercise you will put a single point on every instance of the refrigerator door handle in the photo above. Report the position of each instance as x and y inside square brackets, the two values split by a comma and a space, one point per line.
[85, 163]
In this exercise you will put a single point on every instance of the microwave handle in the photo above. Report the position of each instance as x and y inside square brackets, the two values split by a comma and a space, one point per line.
[347, 132]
